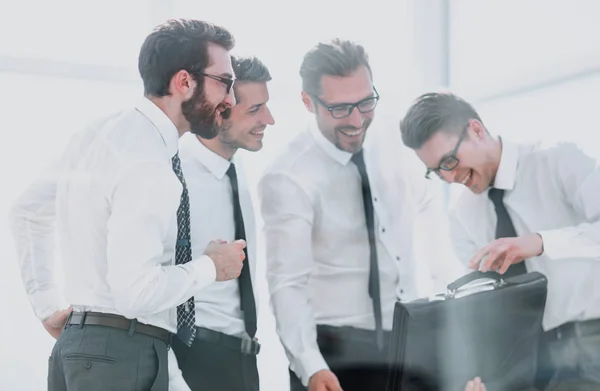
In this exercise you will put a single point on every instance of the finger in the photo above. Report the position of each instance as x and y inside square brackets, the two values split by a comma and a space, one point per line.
[241, 243]
[470, 386]
[508, 260]
[476, 259]
[219, 241]
[494, 254]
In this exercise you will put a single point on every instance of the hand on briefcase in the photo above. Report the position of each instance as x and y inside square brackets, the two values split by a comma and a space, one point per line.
[488, 329]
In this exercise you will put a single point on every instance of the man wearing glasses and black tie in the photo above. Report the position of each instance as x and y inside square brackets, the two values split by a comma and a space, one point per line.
[339, 225]
[530, 207]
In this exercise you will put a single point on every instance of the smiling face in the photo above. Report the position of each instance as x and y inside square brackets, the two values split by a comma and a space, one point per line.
[339, 93]
[245, 124]
[475, 160]
[210, 97]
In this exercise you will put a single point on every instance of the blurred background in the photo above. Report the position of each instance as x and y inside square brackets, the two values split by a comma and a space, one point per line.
[531, 69]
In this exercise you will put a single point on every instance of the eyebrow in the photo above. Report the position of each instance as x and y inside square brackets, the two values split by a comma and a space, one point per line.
[256, 106]
[372, 95]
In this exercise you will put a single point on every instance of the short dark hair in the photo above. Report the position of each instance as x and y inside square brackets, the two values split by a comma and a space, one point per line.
[434, 112]
[248, 69]
[335, 58]
[175, 45]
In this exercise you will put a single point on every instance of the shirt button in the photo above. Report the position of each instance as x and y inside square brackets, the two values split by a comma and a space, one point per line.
[383, 229]
[375, 199]
[88, 365]
[397, 258]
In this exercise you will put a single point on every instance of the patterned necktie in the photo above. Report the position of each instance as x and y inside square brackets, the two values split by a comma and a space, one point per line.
[247, 303]
[186, 313]
[505, 228]
[374, 290]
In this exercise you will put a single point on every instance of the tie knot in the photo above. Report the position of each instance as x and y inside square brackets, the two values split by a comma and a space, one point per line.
[496, 195]
[231, 173]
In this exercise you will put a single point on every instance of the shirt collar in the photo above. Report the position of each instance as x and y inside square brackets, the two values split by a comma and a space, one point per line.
[215, 163]
[507, 169]
[159, 119]
[327, 146]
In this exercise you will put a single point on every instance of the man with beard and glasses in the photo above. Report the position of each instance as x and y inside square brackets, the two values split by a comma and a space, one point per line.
[527, 207]
[223, 355]
[120, 204]
[339, 227]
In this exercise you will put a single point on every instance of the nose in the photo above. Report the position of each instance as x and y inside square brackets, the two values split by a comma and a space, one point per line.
[229, 100]
[355, 118]
[269, 120]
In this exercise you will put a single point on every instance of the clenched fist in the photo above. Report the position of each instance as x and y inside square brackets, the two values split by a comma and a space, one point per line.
[324, 380]
[227, 257]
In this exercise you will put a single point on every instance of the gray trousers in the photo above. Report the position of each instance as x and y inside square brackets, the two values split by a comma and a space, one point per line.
[98, 358]
[570, 363]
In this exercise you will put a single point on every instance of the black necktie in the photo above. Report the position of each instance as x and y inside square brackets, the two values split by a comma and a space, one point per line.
[505, 228]
[247, 303]
[374, 290]
[186, 313]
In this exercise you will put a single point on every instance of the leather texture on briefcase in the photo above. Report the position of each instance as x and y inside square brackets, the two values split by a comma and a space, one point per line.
[493, 333]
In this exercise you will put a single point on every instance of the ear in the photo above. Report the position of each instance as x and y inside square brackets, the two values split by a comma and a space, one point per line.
[477, 129]
[308, 103]
[182, 84]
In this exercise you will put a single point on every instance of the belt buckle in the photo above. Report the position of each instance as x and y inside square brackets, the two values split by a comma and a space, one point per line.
[250, 346]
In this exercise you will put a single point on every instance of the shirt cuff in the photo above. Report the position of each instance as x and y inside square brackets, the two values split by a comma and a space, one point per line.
[552, 243]
[46, 302]
[309, 363]
[204, 271]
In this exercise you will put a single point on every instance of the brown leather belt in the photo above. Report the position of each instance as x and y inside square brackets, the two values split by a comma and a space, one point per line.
[117, 322]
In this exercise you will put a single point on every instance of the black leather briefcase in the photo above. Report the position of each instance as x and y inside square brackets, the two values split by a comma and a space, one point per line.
[484, 325]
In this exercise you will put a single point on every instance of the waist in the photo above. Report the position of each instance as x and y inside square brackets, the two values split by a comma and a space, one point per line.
[348, 333]
[165, 319]
[575, 329]
[82, 319]
[246, 345]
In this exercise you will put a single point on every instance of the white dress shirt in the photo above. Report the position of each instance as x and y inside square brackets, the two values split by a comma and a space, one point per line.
[211, 206]
[317, 246]
[553, 190]
[113, 198]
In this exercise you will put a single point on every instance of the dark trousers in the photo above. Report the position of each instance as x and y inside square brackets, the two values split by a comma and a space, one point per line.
[569, 358]
[98, 358]
[353, 357]
[209, 366]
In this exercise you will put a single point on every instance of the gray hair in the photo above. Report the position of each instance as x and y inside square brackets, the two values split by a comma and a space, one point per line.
[335, 58]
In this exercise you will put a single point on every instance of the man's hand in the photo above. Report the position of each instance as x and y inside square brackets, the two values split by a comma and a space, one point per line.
[227, 257]
[501, 253]
[475, 385]
[56, 322]
[324, 380]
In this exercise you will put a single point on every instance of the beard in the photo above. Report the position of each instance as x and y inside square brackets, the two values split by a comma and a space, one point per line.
[201, 115]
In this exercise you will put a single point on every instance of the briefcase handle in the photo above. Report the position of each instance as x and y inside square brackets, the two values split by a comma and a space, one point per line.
[467, 278]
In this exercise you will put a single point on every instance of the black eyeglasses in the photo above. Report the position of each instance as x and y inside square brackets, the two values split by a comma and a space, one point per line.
[225, 80]
[449, 162]
[344, 110]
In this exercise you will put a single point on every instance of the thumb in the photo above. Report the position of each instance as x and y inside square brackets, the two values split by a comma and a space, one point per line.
[241, 243]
